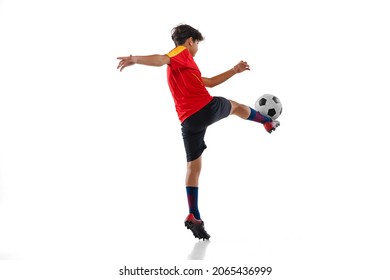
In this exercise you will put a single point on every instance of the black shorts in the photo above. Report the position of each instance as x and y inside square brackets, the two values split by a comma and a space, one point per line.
[194, 127]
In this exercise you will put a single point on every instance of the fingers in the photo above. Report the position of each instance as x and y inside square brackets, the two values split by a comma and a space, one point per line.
[245, 65]
[124, 62]
[242, 66]
[121, 64]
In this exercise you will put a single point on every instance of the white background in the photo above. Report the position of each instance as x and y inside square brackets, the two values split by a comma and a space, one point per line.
[92, 162]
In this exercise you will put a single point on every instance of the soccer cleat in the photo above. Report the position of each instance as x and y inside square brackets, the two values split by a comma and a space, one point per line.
[271, 126]
[196, 226]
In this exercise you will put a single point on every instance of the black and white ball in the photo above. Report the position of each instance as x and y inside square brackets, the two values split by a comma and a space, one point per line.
[269, 105]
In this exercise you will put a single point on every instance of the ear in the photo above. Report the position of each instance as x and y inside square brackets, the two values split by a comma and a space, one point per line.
[190, 41]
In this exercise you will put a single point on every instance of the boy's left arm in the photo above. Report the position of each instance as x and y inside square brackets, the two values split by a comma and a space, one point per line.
[219, 79]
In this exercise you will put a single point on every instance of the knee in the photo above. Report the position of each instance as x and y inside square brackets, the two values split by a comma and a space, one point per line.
[239, 110]
[193, 167]
[233, 106]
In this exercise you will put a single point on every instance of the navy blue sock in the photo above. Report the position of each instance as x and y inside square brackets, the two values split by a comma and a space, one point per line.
[257, 117]
[192, 197]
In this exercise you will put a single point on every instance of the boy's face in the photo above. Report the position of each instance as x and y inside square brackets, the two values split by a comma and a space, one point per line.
[192, 46]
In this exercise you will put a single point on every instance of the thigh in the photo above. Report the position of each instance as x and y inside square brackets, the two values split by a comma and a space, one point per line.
[219, 108]
[194, 127]
[194, 143]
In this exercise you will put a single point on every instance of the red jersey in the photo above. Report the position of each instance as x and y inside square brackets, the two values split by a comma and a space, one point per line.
[186, 84]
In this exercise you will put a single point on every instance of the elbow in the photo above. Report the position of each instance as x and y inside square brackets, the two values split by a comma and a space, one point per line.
[208, 83]
[211, 84]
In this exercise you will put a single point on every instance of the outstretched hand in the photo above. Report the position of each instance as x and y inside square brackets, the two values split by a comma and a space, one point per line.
[125, 61]
[241, 67]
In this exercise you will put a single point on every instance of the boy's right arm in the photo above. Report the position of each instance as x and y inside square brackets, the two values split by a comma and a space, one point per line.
[150, 60]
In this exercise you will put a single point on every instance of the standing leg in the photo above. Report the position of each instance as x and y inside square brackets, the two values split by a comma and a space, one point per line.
[193, 220]
[192, 181]
[193, 171]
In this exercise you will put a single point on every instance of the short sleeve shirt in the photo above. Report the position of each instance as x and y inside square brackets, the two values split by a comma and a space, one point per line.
[185, 82]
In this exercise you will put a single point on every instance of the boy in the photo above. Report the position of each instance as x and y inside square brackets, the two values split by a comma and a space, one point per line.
[195, 107]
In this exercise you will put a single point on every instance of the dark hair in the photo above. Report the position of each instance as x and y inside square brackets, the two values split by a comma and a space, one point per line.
[182, 32]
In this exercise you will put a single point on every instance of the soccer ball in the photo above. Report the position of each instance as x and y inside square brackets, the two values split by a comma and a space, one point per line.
[269, 105]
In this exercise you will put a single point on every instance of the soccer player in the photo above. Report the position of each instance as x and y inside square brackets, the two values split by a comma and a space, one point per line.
[195, 107]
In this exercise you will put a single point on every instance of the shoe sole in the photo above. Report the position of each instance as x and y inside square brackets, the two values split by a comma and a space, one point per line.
[197, 230]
